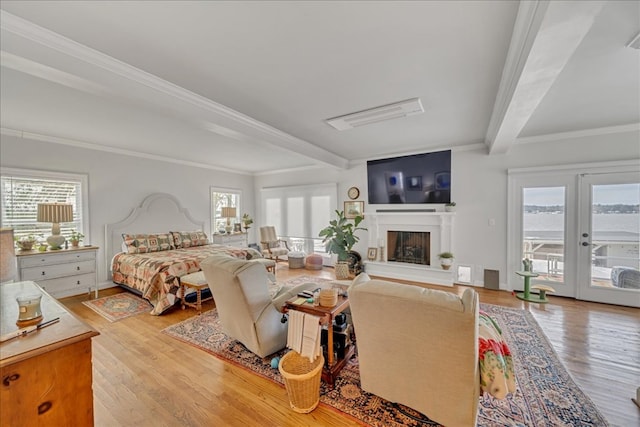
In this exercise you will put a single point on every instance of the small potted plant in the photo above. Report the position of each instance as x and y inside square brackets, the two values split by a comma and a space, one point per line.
[446, 260]
[246, 221]
[25, 243]
[339, 238]
[450, 207]
[75, 238]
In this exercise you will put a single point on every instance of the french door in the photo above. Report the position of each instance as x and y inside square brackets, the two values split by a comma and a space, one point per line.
[580, 229]
[609, 261]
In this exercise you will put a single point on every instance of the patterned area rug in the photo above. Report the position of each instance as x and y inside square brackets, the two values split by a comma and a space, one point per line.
[119, 306]
[546, 394]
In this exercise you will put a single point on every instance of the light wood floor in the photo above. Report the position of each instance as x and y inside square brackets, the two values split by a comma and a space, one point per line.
[143, 377]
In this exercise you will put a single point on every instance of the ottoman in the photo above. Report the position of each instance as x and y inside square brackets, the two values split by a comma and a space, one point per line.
[296, 259]
[313, 262]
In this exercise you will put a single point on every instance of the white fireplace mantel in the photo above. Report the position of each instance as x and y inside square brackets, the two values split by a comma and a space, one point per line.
[440, 227]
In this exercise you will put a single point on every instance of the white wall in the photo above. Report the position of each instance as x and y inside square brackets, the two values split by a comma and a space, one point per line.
[118, 183]
[479, 187]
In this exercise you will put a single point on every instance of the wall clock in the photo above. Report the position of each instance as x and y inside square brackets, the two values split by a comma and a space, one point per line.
[353, 193]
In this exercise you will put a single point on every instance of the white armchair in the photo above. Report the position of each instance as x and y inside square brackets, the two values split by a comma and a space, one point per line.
[272, 246]
[246, 310]
[419, 347]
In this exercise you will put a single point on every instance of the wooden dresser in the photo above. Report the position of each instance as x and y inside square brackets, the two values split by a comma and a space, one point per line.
[239, 240]
[47, 374]
[61, 273]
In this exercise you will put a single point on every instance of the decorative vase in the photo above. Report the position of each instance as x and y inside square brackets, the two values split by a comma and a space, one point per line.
[342, 270]
[445, 263]
[75, 243]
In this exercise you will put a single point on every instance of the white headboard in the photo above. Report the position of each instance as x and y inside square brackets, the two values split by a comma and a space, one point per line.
[158, 213]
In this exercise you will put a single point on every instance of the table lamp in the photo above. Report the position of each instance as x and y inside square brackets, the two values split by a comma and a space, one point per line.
[8, 267]
[55, 213]
[228, 212]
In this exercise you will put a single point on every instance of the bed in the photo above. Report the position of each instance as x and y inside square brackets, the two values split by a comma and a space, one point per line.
[158, 243]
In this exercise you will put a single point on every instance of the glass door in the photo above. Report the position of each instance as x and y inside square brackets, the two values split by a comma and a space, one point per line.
[609, 260]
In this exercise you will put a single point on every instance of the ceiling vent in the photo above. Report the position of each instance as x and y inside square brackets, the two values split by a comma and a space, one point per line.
[405, 108]
[635, 42]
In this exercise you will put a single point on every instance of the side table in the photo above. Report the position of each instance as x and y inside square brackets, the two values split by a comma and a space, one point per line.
[327, 314]
[527, 295]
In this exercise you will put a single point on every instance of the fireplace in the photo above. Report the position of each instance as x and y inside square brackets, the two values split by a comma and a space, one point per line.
[408, 246]
[408, 241]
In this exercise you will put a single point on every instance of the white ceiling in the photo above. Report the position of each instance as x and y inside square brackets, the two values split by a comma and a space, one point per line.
[247, 86]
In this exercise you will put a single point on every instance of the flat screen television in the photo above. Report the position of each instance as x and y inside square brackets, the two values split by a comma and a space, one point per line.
[418, 178]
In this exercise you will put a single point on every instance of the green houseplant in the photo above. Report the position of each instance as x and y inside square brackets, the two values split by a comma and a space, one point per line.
[339, 237]
[450, 207]
[246, 221]
[75, 238]
[446, 260]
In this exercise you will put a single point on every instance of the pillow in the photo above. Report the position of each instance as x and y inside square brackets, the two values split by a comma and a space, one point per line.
[253, 254]
[143, 243]
[361, 278]
[187, 239]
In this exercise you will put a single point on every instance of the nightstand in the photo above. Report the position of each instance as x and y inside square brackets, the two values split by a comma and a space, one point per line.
[61, 273]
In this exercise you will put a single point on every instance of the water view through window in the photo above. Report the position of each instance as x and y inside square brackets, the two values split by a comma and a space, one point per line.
[544, 231]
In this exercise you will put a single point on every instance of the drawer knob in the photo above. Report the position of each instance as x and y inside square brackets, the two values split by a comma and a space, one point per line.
[78, 282]
[6, 381]
[43, 273]
[44, 407]
[78, 268]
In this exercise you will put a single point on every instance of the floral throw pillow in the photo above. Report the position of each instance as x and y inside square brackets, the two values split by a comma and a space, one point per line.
[496, 365]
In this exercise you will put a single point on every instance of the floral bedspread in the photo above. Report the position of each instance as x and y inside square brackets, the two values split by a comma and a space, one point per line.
[496, 365]
[156, 274]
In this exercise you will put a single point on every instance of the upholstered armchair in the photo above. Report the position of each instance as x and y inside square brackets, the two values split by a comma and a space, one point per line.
[247, 311]
[272, 246]
[419, 347]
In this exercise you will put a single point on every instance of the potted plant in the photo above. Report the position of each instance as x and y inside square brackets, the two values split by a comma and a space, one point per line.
[446, 260]
[246, 221]
[450, 207]
[75, 238]
[339, 238]
[25, 243]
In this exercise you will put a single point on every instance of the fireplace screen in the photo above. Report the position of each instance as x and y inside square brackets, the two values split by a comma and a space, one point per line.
[408, 246]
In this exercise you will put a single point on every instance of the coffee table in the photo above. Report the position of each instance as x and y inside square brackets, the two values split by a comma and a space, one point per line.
[327, 314]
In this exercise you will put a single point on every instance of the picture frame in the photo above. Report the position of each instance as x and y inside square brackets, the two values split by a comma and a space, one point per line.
[372, 254]
[414, 183]
[353, 209]
[237, 227]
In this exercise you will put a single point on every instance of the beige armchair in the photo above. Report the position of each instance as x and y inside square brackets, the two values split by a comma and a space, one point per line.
[246, 310]
[419, 348]
[272, 246]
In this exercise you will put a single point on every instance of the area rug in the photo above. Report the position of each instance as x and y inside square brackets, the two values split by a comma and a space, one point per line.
[119, 306]
[546, 395]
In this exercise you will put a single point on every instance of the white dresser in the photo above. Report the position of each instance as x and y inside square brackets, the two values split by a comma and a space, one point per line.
[61, 273]
[239, 240]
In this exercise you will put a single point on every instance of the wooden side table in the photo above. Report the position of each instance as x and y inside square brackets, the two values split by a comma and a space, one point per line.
[327, 314]
[47, 374]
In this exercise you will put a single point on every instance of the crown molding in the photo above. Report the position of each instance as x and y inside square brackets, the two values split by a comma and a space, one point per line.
[269, 134]
[633, 127]
[113, 150]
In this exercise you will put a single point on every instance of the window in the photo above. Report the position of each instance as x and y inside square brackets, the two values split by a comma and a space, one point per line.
[221, 198]
[23, 189]
[299, 213]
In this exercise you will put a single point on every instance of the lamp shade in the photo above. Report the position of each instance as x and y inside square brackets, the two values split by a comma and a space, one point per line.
[55, 212]
[228, 212]
[8, 267]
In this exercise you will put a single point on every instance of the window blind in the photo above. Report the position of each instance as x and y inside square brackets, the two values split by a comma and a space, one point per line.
[21, 194]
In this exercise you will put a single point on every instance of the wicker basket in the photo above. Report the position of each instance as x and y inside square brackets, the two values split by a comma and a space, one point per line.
[328, 297]
[302, 380]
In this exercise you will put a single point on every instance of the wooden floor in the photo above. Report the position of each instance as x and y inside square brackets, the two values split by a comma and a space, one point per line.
[143, 377]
